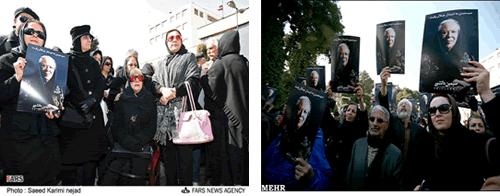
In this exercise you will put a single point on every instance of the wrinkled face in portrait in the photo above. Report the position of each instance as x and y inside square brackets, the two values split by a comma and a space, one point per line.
[20, 20]
[37, 36]
[449, 35]
[350, 113]
[378, 128]
[344, 54]
[441, 120]
[303, 110]
[174, 41]
[131, 64]
[477, 125]
[86, 42]
[404, 109]
[315, 78]
[48, 68]
[390, 36]
[97, 57]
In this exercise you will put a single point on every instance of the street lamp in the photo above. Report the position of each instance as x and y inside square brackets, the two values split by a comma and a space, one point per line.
[231, 4]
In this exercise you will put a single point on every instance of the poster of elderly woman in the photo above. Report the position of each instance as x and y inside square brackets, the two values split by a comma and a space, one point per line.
[44, 81]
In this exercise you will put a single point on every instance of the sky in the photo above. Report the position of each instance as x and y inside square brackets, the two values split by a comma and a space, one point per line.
[119, 27]
[360, 19]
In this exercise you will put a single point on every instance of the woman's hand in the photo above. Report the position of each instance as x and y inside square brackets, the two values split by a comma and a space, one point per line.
[19, 68]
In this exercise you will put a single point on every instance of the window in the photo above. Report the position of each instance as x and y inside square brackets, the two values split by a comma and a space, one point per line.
[172, 19]
[184, 26]
[184, 12]
[163, 35]
[177, 16]
[151, 30]
[156, 27]
[201, 14]
[163, 23]
[210, 18]
[498, 65]
[151, 41]
[178, 27]
[195, 12]
[498, 55]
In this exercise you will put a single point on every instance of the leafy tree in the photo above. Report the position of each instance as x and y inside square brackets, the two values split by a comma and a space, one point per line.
[406, 93]
[312, 25]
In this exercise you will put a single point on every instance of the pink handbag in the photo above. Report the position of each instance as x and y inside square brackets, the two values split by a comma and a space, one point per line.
[194, 126]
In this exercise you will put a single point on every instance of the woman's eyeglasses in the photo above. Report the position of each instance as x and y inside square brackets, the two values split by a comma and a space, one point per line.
[171, 38]
[379, 120]
[30, 31]
[443, 109]
[134, 78]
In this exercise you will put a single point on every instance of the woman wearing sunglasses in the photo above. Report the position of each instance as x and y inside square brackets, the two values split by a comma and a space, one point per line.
[29, 146]
[134, 125]
[106, 67]
[455, 158]
[83, 147]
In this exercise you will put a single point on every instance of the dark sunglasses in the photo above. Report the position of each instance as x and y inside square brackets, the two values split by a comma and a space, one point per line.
[133, 78]
[30, 31]
[23, 19]
[107, 63]
[443, 109]
[171, 38]
[379, 120]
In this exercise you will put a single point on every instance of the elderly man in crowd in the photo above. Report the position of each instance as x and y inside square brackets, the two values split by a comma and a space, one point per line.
[375, 162]
[404, 134]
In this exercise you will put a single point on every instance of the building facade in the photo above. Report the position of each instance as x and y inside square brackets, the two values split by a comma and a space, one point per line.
[492, 64]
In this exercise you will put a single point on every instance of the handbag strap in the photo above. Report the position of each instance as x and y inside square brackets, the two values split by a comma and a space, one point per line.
[191, 99]
[79, 81]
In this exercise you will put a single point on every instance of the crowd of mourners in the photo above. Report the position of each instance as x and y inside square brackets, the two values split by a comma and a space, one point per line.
[359, 148]
[135, 109]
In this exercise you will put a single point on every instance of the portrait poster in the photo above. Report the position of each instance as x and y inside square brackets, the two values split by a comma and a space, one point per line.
[423, 99]
[315, 77]
[303, 116]
[378, 86]
[450, 42]
[301, 79]
[44, 80]
[345, 63]
[391, 46]
[269, 94]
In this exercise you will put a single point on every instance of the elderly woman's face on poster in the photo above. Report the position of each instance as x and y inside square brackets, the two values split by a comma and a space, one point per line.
[449, 34]
[48, 68]
[315, 78]
[303, 110]
[344, 54]
[390, 35]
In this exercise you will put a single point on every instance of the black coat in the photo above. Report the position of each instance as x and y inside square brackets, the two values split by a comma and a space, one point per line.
[24, 150]
[7, 42]
[411, 174]
[134, 120]
[78, 146]
[227, 84]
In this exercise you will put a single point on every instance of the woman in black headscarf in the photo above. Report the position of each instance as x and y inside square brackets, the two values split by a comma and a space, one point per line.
[83, 147]
[28, 141]
[134, 125]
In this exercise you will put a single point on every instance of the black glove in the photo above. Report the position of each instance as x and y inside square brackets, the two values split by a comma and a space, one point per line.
[87, 105]
[89, 117]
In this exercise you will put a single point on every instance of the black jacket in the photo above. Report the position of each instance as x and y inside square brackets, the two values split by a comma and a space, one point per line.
[227, 84]
[411, 174]
[7, 42]
[134, 120]
[78, 146]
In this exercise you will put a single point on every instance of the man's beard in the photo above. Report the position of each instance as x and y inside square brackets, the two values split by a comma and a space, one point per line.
[403, 114]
